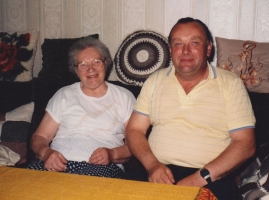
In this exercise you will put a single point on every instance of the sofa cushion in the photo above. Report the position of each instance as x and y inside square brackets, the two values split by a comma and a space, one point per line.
[17, 52]
[7, 156]
[55, 59]
[15, 94]
[260, 105]
[16, 109]
[139, 55]
[14, 130]
[254, 179]
[247, 59]
[15, 124]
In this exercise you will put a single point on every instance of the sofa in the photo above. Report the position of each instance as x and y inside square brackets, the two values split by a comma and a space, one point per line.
[139, 55]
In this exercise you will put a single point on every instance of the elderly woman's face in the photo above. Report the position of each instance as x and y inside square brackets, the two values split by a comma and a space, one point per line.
[90, 68]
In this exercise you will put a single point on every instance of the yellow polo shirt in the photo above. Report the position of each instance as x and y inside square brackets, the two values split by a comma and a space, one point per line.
[191, 130]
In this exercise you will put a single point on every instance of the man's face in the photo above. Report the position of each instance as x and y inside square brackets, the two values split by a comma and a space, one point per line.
[189, 49]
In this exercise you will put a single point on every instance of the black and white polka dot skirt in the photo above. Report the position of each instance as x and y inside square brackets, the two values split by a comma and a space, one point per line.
[111, 170]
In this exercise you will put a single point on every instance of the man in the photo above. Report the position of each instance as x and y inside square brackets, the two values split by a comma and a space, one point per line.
[203, 123]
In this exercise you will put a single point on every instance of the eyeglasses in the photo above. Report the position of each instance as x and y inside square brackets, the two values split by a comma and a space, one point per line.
[85, 65]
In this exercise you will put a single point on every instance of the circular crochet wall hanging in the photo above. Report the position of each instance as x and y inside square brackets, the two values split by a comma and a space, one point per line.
[140, 54]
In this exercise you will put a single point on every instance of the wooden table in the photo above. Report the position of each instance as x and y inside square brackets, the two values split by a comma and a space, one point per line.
[19, 184]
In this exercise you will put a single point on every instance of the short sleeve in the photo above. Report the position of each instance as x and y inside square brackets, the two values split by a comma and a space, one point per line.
[54, 106]
[239, 109]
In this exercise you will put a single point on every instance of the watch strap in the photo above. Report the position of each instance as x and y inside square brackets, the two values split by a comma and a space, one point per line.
[206, 175]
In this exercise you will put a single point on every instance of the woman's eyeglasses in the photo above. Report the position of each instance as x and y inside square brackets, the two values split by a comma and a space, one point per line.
[85, 65]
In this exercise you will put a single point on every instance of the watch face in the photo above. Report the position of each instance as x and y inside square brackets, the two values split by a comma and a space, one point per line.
[204, 173]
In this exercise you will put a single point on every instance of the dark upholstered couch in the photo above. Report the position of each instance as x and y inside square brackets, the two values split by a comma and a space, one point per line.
[43, 90]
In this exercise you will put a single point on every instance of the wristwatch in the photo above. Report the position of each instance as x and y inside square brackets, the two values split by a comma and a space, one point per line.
[206, 175]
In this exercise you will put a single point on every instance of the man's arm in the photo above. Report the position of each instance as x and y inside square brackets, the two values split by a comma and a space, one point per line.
[138, 145]
[241, 148]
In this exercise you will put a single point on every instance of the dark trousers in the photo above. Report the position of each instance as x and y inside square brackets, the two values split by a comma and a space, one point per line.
[224, 189]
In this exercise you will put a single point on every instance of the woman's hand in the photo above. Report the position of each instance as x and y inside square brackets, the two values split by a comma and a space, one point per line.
[54, 160]
[101, 156]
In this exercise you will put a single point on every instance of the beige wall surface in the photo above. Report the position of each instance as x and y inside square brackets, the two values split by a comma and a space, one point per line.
[113, 20]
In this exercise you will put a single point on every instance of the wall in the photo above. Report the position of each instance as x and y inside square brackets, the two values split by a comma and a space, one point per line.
[113, 20]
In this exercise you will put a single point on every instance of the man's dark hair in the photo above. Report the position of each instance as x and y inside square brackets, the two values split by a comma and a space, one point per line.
[208, 34]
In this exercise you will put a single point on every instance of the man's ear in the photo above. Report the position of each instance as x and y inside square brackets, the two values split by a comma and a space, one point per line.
[209, 49]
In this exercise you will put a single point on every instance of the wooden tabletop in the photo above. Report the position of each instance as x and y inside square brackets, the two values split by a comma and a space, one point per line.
[20, 184]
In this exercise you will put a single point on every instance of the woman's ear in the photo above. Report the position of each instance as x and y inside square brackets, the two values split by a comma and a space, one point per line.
[76, 70]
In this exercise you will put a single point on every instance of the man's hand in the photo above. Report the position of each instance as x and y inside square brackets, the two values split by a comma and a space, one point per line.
[54, 160]
[193, 180]
[159, 173]
[101, 156]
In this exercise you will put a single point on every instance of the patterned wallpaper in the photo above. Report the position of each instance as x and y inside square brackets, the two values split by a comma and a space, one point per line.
[113, 20]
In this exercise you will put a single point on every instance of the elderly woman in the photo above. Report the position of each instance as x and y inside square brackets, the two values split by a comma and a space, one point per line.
[85, 122]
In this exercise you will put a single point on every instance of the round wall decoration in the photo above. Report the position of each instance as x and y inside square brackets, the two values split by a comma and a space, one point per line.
[140, 54]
